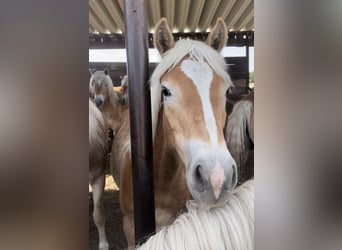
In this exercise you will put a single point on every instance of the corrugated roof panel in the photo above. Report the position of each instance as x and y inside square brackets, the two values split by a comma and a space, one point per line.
[222, 11]
[103, 14]
[250, 24]
[196, 7]
[116, 13]
[181, 14]
[96, 22]
[168, 11]
[153, 13]
[121, 4]
[236, 12]
[209, 11]
[245, 17]
[91, 29]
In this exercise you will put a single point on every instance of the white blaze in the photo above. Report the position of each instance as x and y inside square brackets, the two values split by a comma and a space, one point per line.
[217, 179]
[201, 75]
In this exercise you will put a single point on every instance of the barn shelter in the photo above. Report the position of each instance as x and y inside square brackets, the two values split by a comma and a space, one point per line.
[125, 24]
[189, 18]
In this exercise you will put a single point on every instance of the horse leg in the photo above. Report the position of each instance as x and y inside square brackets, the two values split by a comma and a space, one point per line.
[128, 226]
[98, 214]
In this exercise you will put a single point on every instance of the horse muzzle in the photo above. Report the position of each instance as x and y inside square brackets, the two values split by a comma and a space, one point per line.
[98, 102]
[123, 100]
[211, 182]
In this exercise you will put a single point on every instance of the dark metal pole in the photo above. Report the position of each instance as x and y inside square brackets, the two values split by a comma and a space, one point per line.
[140, 117]
[247, 67]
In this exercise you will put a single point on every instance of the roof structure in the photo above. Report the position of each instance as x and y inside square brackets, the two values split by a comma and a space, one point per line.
[184, 16]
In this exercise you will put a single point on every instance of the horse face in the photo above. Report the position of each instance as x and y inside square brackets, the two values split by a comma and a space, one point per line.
[194, 109]
[124, 92]
[124, 95]
[99, 85]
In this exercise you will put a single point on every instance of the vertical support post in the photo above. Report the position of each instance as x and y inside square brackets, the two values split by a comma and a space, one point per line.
[140, 117]
[247, 67]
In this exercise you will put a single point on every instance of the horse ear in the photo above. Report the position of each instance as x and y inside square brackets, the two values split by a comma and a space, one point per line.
[218, 36]
[106, 71]
[163, 38]
[90, 71]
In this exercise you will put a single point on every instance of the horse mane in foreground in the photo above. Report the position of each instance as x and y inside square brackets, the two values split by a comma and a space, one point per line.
[229, 227]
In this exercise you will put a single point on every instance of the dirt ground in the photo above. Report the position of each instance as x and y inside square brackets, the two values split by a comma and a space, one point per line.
[114, 231]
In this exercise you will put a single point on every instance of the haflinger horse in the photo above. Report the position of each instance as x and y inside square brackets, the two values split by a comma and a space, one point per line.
[97, 165]
[124, 93]
[190, 156]
[106, 99]
[240, 129]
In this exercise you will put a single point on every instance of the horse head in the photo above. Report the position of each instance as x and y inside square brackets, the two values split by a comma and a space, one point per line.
[188, 102]
[124, 92]
[100, 87]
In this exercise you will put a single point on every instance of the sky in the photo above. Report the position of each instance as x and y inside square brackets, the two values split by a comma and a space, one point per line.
[119, 55]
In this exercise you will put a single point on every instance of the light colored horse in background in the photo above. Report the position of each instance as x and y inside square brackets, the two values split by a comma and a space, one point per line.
[124, 101]
[97, 165]
[106, 99]
[240, 129]
[190, 156]
[122, 92]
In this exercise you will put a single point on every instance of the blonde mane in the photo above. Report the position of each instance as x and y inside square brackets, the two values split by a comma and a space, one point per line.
[197, 51]
[228, 227]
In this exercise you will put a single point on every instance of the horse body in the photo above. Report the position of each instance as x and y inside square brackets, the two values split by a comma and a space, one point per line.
[190, 155]
[97, 165]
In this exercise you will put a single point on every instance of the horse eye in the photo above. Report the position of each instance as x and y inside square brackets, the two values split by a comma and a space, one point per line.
[229, 90]
[166, 91]
[92, 84]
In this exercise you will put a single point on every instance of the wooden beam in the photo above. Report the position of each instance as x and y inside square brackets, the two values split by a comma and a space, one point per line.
[115, 41]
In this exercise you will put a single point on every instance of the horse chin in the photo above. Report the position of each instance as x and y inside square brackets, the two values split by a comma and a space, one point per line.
[206, 200]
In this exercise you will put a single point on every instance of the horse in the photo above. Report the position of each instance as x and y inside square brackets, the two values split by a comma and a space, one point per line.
[240, 130]
[97, 165]
[190, 155]
[124, 93]
[229, 227]
[106, 99]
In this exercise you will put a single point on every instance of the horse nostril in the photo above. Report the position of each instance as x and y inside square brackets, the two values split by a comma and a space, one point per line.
[234, 177]
[98, 102]
[230, 183]
[199, 178]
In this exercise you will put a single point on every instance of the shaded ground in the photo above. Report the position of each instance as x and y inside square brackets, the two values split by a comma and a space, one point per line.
[114, 231]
